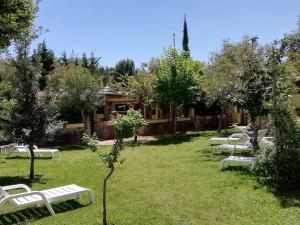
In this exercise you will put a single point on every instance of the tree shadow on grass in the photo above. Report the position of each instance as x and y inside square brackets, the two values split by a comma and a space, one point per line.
[11, 180]
[174, 139]
[287, 199]
[32, 214]
[72, 148]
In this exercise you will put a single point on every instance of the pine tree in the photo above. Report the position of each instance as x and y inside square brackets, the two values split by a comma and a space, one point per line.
[31, 117]
[185, 39]
[64, 59]
[93, 63]
[85, 61]
[46, 57]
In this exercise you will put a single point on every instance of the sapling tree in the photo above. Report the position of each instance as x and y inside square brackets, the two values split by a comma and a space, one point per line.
[125, 126]
[137, 122]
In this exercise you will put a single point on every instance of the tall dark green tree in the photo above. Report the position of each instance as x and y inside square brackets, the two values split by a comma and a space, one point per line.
[124, 68]
[16, 18]
[31, 117]
[185, 39]
[46, 58]
[84, 61]
[93, 64]
[64, 60]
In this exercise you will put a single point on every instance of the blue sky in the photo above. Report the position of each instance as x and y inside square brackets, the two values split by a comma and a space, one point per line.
[139, 29]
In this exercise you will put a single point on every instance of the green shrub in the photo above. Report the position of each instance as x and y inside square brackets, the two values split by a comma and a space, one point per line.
[280, 165]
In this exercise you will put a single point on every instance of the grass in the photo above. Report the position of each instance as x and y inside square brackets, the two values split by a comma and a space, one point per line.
[174, 180]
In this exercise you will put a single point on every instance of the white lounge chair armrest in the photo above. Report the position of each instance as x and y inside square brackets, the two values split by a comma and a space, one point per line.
[17, 186]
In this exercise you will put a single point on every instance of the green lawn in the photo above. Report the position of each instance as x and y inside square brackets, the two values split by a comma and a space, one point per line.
[171, 181]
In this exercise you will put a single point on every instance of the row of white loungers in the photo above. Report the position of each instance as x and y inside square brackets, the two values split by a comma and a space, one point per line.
[31, 198]
[243, 144]
[22, 150]
[264, 143]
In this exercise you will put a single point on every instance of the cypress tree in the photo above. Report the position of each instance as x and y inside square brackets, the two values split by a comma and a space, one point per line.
[185, 39]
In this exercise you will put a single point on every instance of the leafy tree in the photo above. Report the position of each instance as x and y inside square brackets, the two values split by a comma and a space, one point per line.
[46, 58]
[31, 117]
[220, 81]
[290, 45]
[279, 165]
[185, 39]
[177, 83]
[125, 126]
[252, 92]
[81, 90]
[153, 65]
[16, 18]
[141, 87]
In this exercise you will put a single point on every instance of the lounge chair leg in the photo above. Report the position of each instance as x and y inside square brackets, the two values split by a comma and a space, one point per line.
[91, 196]
[222, 165]
[50, 209]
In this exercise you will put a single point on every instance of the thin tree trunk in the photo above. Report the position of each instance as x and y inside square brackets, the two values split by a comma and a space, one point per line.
[220, 122]
[225, 121]
[253, 139]
[174, 118]
[31, 174]
[87, 123]
[112, 168]
[145, 111]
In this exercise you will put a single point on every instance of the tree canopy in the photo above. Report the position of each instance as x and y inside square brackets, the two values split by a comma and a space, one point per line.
[16, 19]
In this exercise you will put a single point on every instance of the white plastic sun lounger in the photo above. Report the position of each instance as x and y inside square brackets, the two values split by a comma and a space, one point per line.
[237, 137]
[23, 150]
[247, 146]
[239, 147]
[237, 159]
[37, 198]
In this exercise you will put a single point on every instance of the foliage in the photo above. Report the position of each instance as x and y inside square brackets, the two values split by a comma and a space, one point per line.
[30, 117]
[6, 100]
[46, 57]
[178, 82]
[141, 86]
[125, 126]
[220, 83]
[64, 60]
[185, 39]
[124, 67]
[137, 121]
[91, 142]
[84, 61]
[280, 165]
[81, 89]
[16, 19]
[73, 87]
